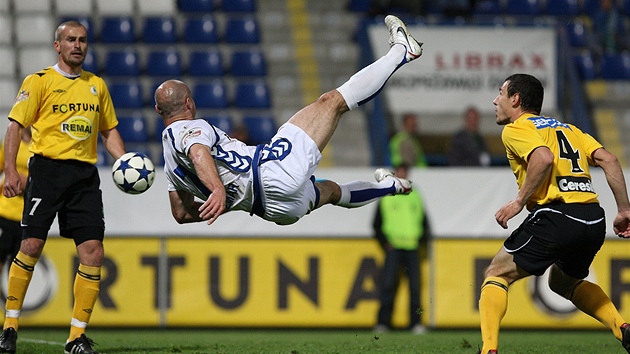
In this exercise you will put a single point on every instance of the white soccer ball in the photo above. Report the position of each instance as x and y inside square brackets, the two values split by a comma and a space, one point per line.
[133, 173]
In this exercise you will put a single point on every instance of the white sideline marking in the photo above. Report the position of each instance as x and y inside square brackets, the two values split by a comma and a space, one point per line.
[40, 341]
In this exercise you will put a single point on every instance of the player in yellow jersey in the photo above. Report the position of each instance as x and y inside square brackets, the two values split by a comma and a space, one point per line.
[67, 108]
[566, 225]
[11, 208]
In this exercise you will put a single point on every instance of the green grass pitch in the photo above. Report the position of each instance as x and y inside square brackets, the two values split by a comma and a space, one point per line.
[301, 341]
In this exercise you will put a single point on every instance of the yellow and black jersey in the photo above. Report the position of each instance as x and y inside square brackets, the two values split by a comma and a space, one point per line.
[570, 179]
[66, 113]
[11, 208]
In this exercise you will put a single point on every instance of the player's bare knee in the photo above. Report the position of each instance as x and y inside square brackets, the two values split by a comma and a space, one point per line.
[333, 100]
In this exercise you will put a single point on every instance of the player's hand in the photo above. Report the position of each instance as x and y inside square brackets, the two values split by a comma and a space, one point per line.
[507, 212]
[621, 224]
[12, 183]
[212, 208]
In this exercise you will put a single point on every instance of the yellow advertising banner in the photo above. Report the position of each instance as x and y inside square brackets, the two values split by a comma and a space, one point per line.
[219, 282]
[458, 266]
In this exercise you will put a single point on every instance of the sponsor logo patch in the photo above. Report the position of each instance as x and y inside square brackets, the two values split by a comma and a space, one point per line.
[574, 184]
[79, 128]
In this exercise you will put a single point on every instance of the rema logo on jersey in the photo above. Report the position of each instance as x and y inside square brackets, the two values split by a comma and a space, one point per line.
[79, 128]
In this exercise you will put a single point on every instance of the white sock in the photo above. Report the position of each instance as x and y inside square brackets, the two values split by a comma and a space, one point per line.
[364, 85]
[358, 193]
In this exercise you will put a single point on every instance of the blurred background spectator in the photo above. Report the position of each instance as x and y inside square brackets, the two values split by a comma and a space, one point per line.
[468, 147]
[405, 146]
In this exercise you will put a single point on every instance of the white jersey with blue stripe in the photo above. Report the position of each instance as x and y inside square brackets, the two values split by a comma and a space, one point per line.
[232, 157]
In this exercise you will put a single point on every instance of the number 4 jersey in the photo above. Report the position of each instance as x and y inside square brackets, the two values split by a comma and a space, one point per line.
[570, 179]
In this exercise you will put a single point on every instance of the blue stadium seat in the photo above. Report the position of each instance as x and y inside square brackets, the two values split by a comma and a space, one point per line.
[248, 63]
[126, 94]
[589, 7]
[252, 94]
[562, 8]
[164, 63]
[359, 6]
[86, 22]
[487, 7]
[122, 63]
[210, 94]
[238, 5]
[159, 30]
[118, 30]
[586, 66]
[201, 30]
[577, 32]
[242, 30]
[260, 128]
[90, 63]
[196, 5]
[133, 129]
[615, 66]
[221, 121]
[522, 7]
[159, 127]
[205, 63]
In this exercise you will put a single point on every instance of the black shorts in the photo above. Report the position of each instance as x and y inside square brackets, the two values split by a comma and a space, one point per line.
[569, 235]
[10, 239]
[67, 189]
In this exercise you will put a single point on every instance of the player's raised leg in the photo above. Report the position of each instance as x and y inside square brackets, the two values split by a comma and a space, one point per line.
[319, 119]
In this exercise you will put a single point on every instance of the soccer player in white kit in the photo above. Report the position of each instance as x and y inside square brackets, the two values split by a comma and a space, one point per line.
[210, 173]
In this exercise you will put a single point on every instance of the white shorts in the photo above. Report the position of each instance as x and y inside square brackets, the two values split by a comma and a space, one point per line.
[286, 167]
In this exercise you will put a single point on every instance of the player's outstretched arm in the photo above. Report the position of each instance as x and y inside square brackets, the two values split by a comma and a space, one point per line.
[617, 183]
[113, 142]
[12, 182]
[207, 172]
[184, 207]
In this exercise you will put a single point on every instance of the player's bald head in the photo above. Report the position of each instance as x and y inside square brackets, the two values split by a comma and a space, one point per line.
[170, 97]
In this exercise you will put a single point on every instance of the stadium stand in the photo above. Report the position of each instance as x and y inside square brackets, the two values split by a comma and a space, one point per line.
[248, 63]
[133, 129]
[91, 63]
[205, 63]
[6, 29]
[563, 8]
[242, 30]
[260, 128]
[615, 66]
[522, 7]
[223, 121]
[122, 62]
[159, 30]
[115, 7]
[238, 5]
[65, 8]
[118, 30]
[164, 62]
[7, 58]
[252, 95]
[586, 66]
[211, 94]
[126, 94]
[156, 7]
[201, 30]
[30, 26]
[201, 6]
[34, 58]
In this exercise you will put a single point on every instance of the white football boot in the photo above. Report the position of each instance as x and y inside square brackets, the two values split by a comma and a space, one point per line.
[403, 186]
[398, 34]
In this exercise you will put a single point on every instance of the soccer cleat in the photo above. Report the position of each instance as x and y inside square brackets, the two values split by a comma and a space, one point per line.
[81, 345]
[403, 186]
[625, 336]
[398, 35]
[7, 340]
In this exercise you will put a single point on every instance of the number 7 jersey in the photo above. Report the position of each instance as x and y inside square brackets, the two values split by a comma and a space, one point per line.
[570, 178]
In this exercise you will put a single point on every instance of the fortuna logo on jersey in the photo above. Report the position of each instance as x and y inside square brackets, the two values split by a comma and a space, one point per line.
[79, 128]
[544, 122]
[574, 184]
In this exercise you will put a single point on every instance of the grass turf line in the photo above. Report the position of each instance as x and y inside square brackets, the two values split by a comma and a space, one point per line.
[299, 341]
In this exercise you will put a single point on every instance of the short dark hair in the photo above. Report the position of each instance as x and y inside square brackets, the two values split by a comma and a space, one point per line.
[530, 89]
